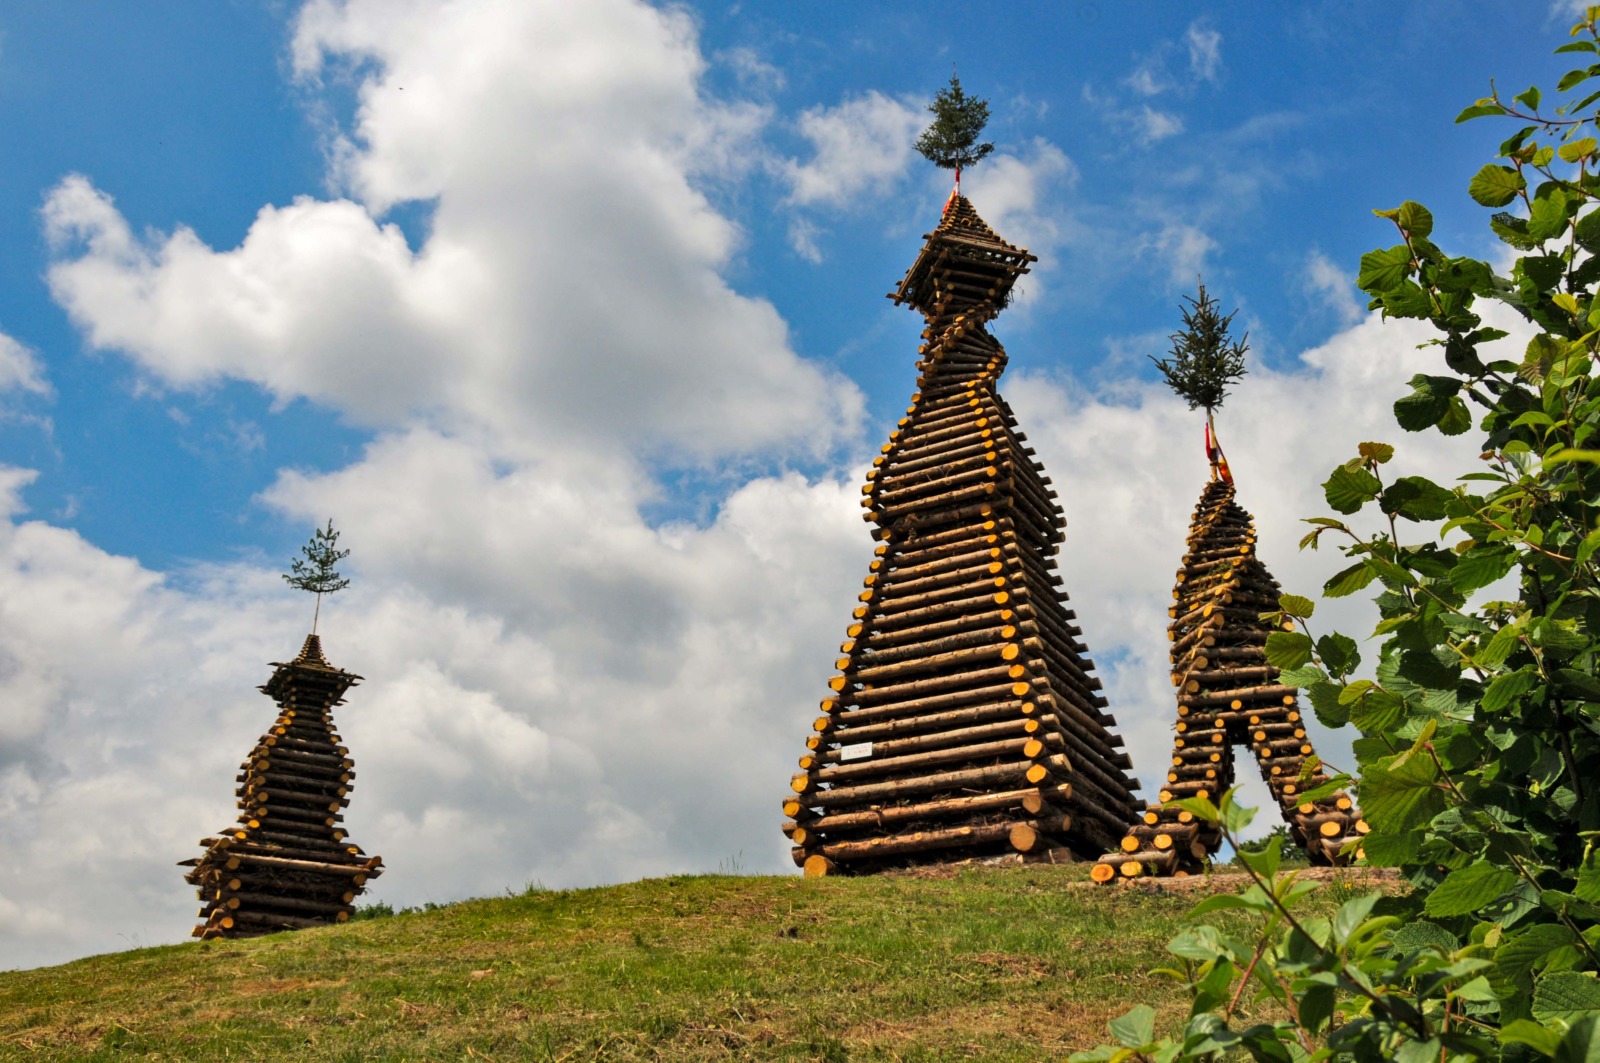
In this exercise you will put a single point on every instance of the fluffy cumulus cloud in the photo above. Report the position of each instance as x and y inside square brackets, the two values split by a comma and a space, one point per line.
[557, 144]
[860, 150]
[862, 144]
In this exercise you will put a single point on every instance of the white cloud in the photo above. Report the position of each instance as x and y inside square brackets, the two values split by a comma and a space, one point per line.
[535, 241]
[861, 147]
[755, 74]
[803, 234]
[1181, 249]
[1333, 287]
[1205, 51]
[1148, 79]
[19, 368]
[1146, 124]
[1156, 125]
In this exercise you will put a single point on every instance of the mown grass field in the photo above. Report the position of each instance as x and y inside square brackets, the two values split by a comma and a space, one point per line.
[985, 963]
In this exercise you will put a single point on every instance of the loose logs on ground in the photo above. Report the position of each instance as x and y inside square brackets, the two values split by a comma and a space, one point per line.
[1228, 695]
[288, 864]
[965, 721]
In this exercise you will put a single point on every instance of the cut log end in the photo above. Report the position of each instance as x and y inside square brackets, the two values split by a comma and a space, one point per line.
[1102, 873]
[818, 866]
[1024, 838]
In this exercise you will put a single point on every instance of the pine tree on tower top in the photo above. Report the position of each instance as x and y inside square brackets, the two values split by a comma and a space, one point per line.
[951, 141]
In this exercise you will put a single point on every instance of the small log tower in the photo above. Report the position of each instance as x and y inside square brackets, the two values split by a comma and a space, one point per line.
[1228, 695]
[964, 721]
[288, 863]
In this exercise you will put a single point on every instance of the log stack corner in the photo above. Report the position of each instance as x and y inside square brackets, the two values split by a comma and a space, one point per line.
[1228, 695]
[288, 864]
[964, 721]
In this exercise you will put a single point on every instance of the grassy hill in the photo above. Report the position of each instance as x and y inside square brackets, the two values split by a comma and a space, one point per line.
[984, 963]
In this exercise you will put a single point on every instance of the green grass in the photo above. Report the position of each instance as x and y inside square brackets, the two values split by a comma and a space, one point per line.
[987, 963]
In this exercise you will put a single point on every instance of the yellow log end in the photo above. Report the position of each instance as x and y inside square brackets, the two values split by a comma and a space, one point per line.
[1024, 838]
[817, 866]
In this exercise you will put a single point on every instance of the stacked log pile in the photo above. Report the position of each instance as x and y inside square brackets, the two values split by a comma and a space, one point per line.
[288, 863]
[1228, 695]
[965, 721]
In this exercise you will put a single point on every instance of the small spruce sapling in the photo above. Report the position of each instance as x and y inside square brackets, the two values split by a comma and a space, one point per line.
[951, 141]
[1205, 361]
[315, 571]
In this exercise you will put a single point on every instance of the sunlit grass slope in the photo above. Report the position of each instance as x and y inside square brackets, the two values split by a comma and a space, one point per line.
[987, 963]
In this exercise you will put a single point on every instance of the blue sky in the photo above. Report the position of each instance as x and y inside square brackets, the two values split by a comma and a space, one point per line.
[573, 318]
[189, 116]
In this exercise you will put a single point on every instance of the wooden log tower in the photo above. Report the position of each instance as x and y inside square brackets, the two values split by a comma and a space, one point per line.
[1228, 695]
[964, 721]
[288, 864]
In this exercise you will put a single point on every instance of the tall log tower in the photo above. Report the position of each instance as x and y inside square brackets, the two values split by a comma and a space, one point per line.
[964, 721]
[1228, 695]
[288, 863]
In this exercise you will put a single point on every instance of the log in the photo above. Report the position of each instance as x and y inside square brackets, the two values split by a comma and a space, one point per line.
[319, 867]
[936, 782]
[978, 491]
[297, 904]
[977, 679]
[935, 457]
[904, 494]
[845, 731]
[289, 817]
[927, 841]
[816, 866]
[291, 922]
[937, 737]
[1032, 800]
[1030, 748]
[875, 650]
[1001, 651]
[976, 595]
[1000, 694]
[1225, 697]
